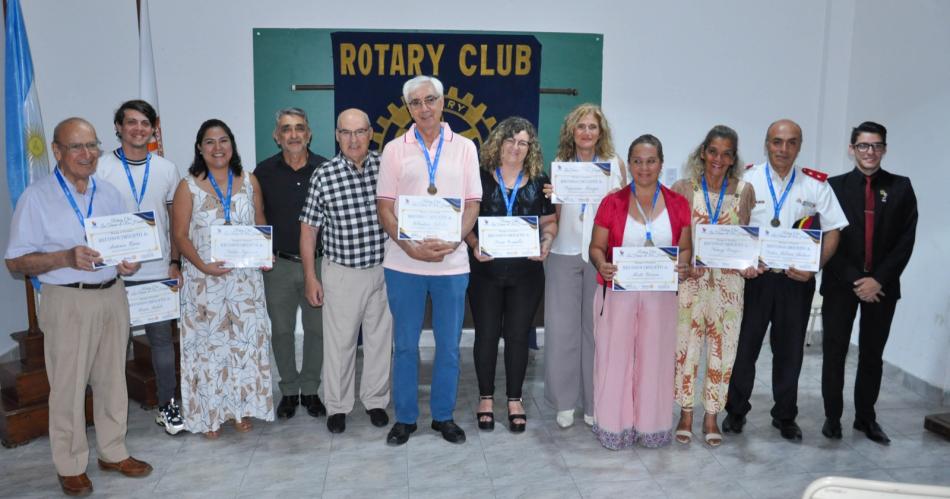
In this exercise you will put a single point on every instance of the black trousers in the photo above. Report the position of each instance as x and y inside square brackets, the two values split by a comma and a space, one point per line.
[837, 311]
[771, 298]
[503, 306]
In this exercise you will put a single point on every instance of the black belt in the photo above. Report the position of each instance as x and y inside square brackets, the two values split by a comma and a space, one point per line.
[84, 285]
[289, 256]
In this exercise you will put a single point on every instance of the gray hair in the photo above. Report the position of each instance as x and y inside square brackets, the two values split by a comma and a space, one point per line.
[413, 84]
[290, 111]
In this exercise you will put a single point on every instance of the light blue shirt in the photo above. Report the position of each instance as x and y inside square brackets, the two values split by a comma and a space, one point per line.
[45, 222]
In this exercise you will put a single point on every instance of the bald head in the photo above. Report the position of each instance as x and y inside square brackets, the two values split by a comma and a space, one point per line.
[353, 132]
[353, 114]
[784, 124]
[783, 141]
[68, 124]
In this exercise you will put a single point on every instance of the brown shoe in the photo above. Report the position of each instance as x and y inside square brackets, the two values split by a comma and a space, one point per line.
[130, 467]
[76, 485]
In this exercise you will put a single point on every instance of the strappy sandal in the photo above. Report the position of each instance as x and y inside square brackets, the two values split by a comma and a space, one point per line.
[684, 436]
[488, 423]
[712, 438]
[514, 426]
[243, 426]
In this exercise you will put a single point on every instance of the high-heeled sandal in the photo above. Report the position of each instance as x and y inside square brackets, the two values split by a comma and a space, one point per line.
[684, 436]
[712, 438]
[489, 423]
[514, 426]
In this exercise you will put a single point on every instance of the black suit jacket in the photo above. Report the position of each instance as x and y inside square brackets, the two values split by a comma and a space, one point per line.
[895, 227]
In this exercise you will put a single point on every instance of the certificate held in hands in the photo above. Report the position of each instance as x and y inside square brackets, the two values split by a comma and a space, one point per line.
[430, 217]
[153, 302]
[642, 268]
[132, 237]
[726, 246]
[784, 248]
[242, 246]
[509, 237]
[579, 182]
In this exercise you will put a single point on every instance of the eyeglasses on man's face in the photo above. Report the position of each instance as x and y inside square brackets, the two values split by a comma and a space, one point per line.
[76, 148]
[428, 101]
[359, 133]
[867, 146]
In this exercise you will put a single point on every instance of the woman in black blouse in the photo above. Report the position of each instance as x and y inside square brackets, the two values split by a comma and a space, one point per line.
[504, 293]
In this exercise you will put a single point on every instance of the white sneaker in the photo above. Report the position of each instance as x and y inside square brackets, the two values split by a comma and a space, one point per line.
[169, 417]
[565, 419]
[588, 420]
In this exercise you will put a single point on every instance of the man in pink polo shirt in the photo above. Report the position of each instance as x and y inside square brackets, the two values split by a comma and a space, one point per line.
[429, 160]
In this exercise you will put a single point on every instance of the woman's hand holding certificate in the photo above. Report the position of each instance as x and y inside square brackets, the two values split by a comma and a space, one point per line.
[242, 246]
[130, 237]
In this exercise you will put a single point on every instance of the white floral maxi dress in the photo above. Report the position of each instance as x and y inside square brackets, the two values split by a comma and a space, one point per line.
[225, 330]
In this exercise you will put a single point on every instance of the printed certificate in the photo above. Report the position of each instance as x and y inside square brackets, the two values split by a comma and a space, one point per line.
[430, 217]
[242, 246]
[726, 246]
[641, 268]
[153, 302]
[507, 237]
[579, 182]
[132, 237]
[784, 248]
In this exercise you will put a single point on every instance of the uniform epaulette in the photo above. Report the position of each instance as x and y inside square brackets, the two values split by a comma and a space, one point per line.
[815, 174]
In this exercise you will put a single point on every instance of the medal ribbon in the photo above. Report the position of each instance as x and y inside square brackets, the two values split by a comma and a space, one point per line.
[225, 202]
[72, 200]
[128, 173]
[646, 221]
[777, 203]
[714, 217]
[509, 202]
[432, 165]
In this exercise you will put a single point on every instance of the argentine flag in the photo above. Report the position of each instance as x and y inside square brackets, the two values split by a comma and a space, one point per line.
[27, 158]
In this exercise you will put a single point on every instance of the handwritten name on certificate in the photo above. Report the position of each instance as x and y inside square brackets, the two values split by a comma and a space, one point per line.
[430, 217]
[784, 248]
[242, 246]
[509, 237]
[726, 246]
[645, 268]
[579, 182]
[153, 302]
[132, 237]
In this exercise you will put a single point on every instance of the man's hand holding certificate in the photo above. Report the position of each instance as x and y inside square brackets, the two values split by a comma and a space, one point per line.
[579, 182]
[726, 246]
[646, 268]
[153, 302]
[430, 217]
[130, 237]
[787, 248]
[242, 246]
[508, 237]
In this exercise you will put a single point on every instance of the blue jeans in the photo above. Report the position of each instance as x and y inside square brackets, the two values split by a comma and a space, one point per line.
[407, 302]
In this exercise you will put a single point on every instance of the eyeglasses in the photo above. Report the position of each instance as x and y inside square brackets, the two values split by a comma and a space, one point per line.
[516, 143]
[358, 133]
[865, 147]
[428, 101]
[92, 147]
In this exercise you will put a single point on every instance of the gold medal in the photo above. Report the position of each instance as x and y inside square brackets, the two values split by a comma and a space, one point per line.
[775, 222]
[432, 190]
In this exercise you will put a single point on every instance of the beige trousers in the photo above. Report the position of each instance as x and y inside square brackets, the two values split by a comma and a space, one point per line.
[86, 337]
[355, 297]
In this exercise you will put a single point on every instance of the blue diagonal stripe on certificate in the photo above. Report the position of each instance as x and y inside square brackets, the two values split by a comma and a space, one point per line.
[604, 168]
[814, 234]
[618, 287]
[148, 216]
[403, 234]
[267, 230]
[171, 283]
[671, 251]
[531, 220]
[699, 263]
[483, 251]
[752, 230]
[455, 202]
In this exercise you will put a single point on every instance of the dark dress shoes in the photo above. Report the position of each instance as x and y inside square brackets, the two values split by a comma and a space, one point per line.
[831, 429]
[399, 434]
[872, 430]
[129, 467]
[336, 423]
[288, 406]
[314, 405]
[733, 424]
[76, 485]
[788, 428]
[449, 430]
[378, 417]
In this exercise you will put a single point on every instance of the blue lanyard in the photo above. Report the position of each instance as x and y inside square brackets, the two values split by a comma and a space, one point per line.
[433, 165]
[225, 202]
[72, 200]
[714, 217]
[584, 205]
[646, 221]
[509, 201]
[777, 203]
[128, 173]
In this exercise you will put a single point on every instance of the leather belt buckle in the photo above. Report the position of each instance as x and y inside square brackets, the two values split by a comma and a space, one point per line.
[289, 256]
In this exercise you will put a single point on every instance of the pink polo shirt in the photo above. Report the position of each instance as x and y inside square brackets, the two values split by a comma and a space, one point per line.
[403, 172]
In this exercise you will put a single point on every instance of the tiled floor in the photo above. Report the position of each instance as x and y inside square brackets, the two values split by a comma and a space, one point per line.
[300, 458]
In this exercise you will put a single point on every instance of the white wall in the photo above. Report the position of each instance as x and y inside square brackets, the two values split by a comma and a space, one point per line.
[670, 68]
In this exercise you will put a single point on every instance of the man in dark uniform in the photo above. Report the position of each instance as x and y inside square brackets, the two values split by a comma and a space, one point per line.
[865, 271]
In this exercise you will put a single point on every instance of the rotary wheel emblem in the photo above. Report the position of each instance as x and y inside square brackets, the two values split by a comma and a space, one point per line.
[465, 118]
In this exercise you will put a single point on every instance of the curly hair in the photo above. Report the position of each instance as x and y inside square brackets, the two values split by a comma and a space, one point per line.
[198, 168]
[491, 150]
[695, 166]
[567, 151]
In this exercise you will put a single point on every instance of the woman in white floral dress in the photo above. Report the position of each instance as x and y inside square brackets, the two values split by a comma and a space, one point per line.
[225, 330]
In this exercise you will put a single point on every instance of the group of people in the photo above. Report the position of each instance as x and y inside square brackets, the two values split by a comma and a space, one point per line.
[623, 358]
